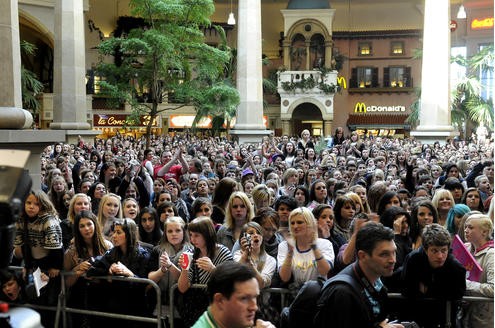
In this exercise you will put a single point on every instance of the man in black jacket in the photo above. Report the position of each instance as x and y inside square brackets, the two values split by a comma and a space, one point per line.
[356, 297]
[432, 276]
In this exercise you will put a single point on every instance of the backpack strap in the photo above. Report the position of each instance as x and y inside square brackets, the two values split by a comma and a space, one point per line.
[357, 288]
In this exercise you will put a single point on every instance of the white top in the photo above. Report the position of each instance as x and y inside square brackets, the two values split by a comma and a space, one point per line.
[268, 269]
[303, 263]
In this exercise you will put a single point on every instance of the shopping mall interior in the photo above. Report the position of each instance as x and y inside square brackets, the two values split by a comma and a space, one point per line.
[369, 48]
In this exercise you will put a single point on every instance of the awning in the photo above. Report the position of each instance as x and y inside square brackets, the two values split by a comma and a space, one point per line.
[378, 121]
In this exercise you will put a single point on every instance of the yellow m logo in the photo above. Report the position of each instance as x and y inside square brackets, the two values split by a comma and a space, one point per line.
[360, 108]
[341, 82]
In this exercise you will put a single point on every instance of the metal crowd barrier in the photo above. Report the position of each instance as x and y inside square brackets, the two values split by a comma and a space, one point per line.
[448, 307]
[171, 296]
[61, 309]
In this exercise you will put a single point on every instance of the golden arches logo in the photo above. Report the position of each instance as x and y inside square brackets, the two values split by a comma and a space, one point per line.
[341, 82]
[360, 108]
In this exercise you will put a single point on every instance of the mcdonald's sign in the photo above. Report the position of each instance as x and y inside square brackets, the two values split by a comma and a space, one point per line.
[341, 82]
[360, 107]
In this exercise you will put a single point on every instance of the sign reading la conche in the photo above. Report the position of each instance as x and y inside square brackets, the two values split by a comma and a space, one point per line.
[120, 120]
[361, 107]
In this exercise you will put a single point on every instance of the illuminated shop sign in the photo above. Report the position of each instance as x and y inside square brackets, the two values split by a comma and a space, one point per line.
[484, 23]
[341, 82]
[186, 121]
[120, 120]
[181, 121]
[361, 107]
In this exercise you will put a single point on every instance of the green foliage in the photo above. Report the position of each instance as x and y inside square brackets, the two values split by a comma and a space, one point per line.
[320, 145]
[469, 109]
[413, 118]
[30, 85]
[166, 58]
[309, 83]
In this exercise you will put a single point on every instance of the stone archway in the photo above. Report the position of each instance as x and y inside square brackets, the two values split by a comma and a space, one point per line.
[41, 61]
[306, 116]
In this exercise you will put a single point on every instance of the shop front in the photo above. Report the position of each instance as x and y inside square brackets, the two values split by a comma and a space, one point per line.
[125, 125]
[379, 120]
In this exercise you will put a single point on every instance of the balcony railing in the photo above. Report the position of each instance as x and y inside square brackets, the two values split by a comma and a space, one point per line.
[307, 82]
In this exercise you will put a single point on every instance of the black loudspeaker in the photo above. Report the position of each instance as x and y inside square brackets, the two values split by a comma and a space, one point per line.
[15, 184]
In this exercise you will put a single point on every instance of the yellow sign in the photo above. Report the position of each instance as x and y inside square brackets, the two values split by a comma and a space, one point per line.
[360, 108]
[478, 24]
[341, 82]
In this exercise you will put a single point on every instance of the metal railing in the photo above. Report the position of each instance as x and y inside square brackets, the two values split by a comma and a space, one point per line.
[61, 309]
[448, 306]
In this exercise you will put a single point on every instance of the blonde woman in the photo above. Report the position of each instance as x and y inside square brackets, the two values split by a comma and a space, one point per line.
[443, 202]
[261, 197]
[478, 231]
[110, 209]
[304, 256]
[79, 202]
[239, 212]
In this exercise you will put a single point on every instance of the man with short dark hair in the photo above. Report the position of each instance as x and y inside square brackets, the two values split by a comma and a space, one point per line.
[432, 276]
[232, 293]
[356, 297]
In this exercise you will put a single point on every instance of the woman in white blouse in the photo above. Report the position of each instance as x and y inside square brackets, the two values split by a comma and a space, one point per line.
[253, 254]
[303, 255]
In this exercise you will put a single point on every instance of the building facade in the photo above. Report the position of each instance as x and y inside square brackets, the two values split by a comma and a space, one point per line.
[337, 63]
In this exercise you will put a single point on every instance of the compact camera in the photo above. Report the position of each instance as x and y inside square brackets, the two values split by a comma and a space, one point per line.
[248, 239]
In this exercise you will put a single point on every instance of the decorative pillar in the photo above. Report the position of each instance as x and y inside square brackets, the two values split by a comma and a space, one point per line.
[328, 53]
[249, 125]
[69, 103]
[327, 128]
[286, 127]
[309, 64]
[12, 116]
[286, 46]
[434, 116]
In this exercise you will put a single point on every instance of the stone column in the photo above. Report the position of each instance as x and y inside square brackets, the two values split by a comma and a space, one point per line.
[69, 104]
[286, 127]
[286, 45]
[309, 64]
[12, 116]
[435, 121]
[327, 128]
[249, 124]
[328, 53]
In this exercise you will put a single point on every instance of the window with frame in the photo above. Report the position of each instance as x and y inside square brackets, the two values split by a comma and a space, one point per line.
[397, 48]
[364, 77]
[397, 77]
[364, 49]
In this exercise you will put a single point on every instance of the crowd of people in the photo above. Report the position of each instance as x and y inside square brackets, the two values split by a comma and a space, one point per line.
[288, 208]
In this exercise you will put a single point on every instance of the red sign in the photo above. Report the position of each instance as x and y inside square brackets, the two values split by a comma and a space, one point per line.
[453, 25]
[121, 120]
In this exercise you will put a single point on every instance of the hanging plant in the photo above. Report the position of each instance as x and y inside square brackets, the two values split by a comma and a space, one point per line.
[328, 88]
